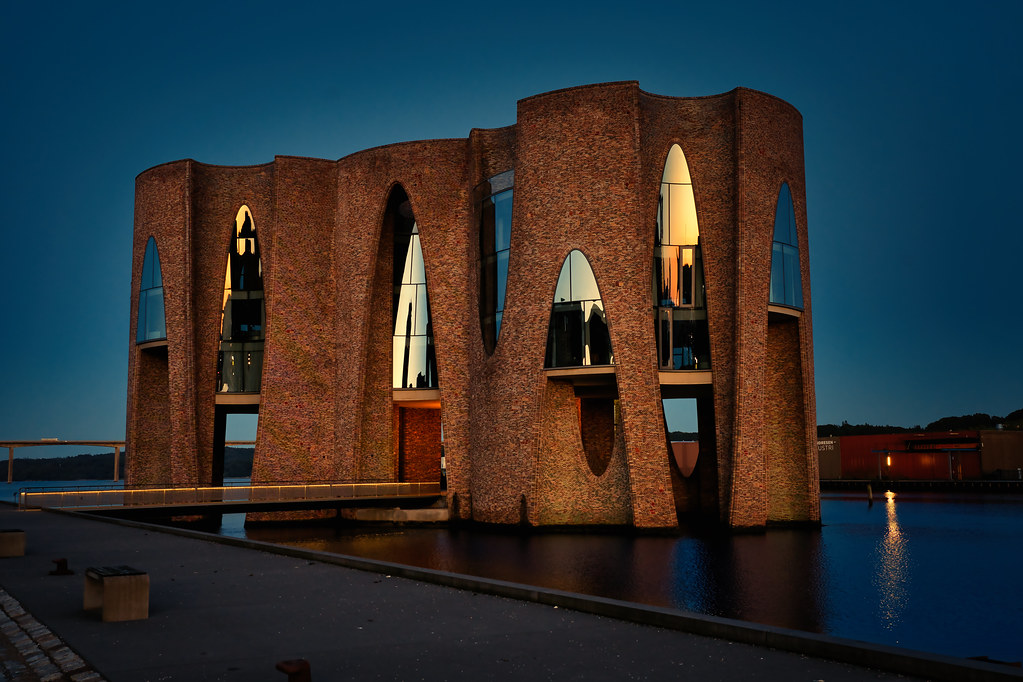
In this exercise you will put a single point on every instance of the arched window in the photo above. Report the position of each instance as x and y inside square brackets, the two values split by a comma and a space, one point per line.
[415, 361]
[786, 281]
[152, 326]
[578, 335]
[681, 324]
[243, 320]
[494, 201]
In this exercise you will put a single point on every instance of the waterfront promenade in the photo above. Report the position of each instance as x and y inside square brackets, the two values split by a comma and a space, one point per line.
[223, 612]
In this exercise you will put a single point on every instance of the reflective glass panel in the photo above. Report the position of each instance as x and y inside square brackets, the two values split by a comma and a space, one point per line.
[563, 292]
[578, 333]
[405, 318]
[584, 285]
[502, 278]
[243, 317]
[686, 264]
[502, 220]
[681, 212]
[664, 338]
[676, 169]
[786, 280]
[777, 272]
[793, 288]
[151, 324]
[598, 339]
[678, 271]
[413, 362]
[494, 201]
[666, 276]
[785, 217]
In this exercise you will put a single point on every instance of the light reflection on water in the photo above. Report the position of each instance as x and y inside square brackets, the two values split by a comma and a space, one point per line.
[892, 576]
[933, 572]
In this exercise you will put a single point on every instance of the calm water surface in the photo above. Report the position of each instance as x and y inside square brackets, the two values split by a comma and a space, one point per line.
[933, 572]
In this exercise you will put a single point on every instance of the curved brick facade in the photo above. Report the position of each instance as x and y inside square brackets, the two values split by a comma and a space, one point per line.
[519, 441]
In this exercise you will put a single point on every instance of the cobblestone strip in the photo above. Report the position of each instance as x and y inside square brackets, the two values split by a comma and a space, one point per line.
[29, 652]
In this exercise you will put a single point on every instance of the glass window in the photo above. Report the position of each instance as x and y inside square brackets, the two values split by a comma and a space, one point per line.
[494, 204]
[243, 317]
[678, 287]
[414, 362]
[786, 280]
[578, 333]
[151, 324]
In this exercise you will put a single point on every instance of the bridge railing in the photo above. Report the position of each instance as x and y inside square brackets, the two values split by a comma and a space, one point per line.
[164, 496]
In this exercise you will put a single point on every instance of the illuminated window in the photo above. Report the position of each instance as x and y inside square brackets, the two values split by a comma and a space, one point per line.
[243, 321]
[678, 289]
[414, 361]
[494, 202]
[577, 335]
[152, 325]
[786, 281]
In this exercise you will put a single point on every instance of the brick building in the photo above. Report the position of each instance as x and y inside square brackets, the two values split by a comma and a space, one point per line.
[518, 302]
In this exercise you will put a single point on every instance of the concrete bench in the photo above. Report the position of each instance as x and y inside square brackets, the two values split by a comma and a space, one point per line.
[12, 542]
[120, 592]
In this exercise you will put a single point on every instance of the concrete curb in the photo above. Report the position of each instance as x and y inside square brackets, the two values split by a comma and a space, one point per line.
[879, 656]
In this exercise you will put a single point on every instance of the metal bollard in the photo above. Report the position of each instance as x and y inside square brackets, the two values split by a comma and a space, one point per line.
[296, 669]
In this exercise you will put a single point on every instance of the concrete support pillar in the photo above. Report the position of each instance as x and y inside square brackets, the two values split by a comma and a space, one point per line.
[117, 463]
[10, 464]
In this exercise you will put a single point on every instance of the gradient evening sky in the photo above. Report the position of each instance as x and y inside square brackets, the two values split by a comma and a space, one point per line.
[911, 131]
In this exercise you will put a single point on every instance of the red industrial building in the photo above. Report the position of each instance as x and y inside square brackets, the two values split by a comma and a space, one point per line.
[935, 456]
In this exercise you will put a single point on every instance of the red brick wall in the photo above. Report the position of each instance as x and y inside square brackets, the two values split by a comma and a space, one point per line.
[419, 446]
[785, 429]
[151, 444]
[566, 490]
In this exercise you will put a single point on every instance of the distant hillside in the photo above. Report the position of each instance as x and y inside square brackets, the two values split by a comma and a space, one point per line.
[72, 468]
[237, 464]
[683, 436]
[968, 422]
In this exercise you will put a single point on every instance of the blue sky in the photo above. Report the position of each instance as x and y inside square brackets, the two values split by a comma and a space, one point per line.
[911, 132]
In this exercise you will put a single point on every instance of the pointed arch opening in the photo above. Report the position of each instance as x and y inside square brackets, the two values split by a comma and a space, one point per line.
[683, 340]
[494, 207]
[578, 334]
[243, 317]
[414, 428]
[414, 359]
[152, 323]
[786, 280]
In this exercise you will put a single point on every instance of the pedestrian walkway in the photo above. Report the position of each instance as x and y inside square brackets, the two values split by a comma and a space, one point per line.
[29, 652]
[223, 612]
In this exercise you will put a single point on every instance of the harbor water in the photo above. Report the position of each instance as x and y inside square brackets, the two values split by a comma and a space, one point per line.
[934, 572]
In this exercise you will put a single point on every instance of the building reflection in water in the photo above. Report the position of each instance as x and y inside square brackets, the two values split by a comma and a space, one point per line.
[775, 578]
[892, 572]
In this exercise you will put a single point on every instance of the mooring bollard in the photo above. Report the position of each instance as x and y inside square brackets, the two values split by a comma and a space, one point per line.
[296, 669]
[61, 568]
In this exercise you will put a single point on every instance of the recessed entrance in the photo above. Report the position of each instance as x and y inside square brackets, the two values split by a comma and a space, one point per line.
[683, 432]
[231, 423]
[692, 447]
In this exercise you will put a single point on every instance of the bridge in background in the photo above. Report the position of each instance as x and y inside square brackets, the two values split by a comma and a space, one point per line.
[117, 445]
[230, 499]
